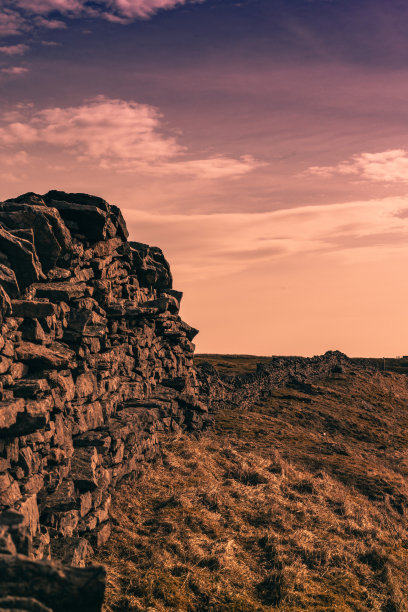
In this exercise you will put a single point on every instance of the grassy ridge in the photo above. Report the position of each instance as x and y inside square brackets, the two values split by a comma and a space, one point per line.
[244, 364]
[232, 364]
[298, 504]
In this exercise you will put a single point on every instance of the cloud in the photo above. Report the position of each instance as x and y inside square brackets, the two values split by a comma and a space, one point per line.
[116, 134]
[11, 22]
[45, 7]
[223, 244]
[122, 8]
[13, 166]
[213, 167]
[14, 159]
[14, 49]
[16, 16]
[386, 166]
[15, 70]
[50, 24]
[142, 8]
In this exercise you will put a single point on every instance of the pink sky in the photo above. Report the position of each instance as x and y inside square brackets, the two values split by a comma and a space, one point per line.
[271, 169]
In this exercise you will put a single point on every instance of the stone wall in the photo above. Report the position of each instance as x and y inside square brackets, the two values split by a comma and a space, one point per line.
[94, 361]
[218, 390]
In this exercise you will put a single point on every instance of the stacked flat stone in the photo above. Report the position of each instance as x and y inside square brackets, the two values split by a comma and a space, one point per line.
[94, 362]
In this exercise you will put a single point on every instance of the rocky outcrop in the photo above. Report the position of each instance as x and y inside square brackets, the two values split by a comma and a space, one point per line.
[94, 362]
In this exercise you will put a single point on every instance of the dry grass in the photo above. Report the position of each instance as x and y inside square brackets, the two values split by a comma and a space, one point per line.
[299, 504]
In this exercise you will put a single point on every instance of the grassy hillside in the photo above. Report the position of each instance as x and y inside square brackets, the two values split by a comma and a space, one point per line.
[298, 504]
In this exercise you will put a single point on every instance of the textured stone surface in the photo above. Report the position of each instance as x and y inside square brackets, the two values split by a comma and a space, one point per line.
[94, 361]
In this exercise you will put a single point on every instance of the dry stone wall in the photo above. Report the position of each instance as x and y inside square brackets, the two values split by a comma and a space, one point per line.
[219, 390]
[94, 362]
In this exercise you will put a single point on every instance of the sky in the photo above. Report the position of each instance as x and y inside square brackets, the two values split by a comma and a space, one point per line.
[262, 144]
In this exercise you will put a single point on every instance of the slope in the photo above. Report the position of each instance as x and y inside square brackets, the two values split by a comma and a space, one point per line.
[298, 503]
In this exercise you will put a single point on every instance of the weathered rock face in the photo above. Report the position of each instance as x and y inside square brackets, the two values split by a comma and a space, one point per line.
[94, 361]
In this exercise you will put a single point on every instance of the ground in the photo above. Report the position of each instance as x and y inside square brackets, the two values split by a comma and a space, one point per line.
[297, 504]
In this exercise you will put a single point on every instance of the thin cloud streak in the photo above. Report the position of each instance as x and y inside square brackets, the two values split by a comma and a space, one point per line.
[14, 70]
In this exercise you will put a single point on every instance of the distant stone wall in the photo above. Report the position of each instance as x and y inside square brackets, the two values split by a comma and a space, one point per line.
[94, 362]
[219, 390]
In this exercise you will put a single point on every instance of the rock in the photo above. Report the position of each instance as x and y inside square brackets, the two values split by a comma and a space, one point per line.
[7, 546]
[59, 292]
[22, 253]
[32, 331]
[10, 495]
[62, 499]
[83, 469]
[119, 222]
[32, 309]
[190, 332]
[5, 304]
[56, 274]
[8, 281]
[87, 417]
[62, 589]
[73, 551]
[51, 236]
[29, 509]
[4, 464]
[85, 384]
[87, 220]
[22, 604]
[33, 484]
[4, 364]
[83, 199]
[54, 356]
[151, 266]
[101, 535]
[9, 410]
[106, 247]
[35, 416]
[34, 387]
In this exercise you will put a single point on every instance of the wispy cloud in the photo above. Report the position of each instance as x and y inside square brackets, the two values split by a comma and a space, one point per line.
[215, 167]
[14, 159]
[17, 16]
[386, 166]
[116, 134]
[11, 22]
[222, 244]
[14, 70]
[14, 49]
[50, 24]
